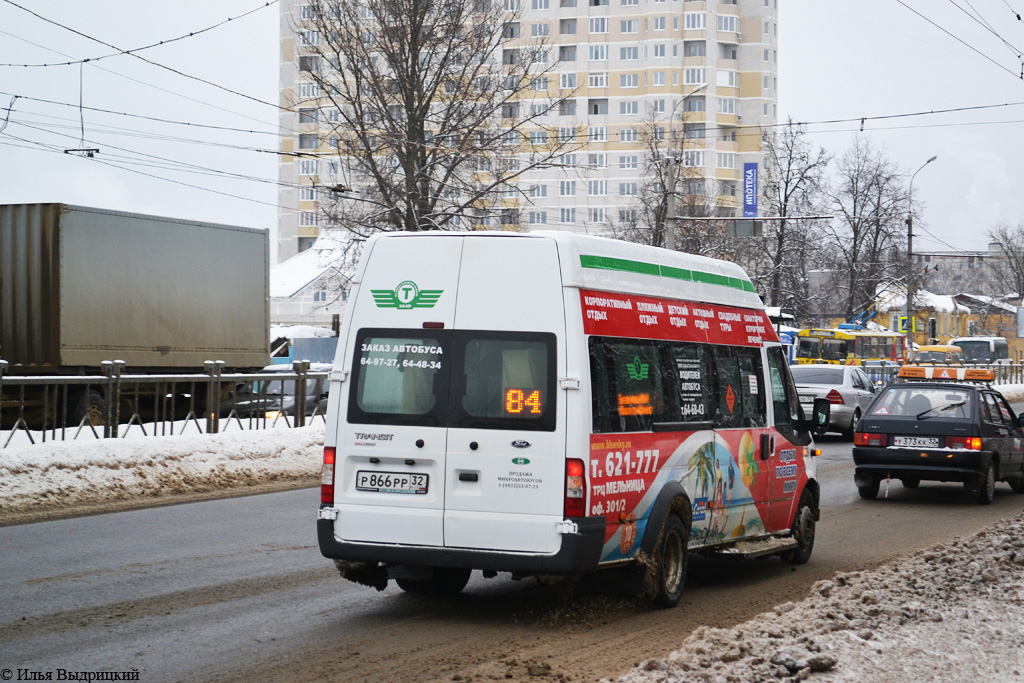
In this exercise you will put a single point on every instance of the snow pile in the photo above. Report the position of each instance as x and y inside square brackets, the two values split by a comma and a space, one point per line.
[62, 474]
[952, 612]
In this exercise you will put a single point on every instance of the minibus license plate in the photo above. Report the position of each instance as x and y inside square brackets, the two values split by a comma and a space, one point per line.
[391, 482]
[916, 441]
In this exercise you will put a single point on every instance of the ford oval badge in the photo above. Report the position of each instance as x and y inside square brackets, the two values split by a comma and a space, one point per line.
[521, 444]
[520, 461]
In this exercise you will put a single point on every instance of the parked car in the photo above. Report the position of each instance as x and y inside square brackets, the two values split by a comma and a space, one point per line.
[272, 398]
[940, 431]
[848, 389]
[938, 354]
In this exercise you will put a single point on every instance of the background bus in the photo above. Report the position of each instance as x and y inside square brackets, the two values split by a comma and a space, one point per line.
[848, 346]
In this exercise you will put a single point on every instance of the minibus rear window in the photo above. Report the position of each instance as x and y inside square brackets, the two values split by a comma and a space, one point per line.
[400, 377]
[504, 380]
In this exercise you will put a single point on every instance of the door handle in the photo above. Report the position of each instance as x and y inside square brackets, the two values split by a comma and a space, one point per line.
[468, 476]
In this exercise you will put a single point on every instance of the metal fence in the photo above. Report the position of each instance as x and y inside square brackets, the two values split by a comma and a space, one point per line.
[36, 409]
[1004, 374]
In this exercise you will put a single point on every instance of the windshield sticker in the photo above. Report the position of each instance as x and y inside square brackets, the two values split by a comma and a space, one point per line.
[638, 370]
[882, 411]
[406, 295]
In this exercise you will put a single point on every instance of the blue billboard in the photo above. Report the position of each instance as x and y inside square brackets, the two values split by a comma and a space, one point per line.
[750, 190]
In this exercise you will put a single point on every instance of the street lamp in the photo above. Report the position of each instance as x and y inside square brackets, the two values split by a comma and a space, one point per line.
[910, 259]
[670, 200]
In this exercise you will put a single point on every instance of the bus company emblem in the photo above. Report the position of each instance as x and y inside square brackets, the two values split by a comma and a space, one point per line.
[520, 443]
[520, 461]
[405, 296]
[638, 370]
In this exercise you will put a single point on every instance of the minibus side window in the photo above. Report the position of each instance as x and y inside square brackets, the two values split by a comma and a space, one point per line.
[784, 399]
[601, 405]
[739, 391]
[632, 372]
[692, 363]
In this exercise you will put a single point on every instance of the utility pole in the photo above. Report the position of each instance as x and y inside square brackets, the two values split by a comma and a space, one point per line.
[670, 205]
[908, 310]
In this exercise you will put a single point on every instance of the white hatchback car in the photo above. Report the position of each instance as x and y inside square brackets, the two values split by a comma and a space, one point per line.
[846, 387]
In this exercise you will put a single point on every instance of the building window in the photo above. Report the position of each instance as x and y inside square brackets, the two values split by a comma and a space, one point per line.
[659, 50]
[727, 22]
[309, 64]
[538, 191]
[694, 49]
[566, 188]
[597, 160]
[628, 162]
[309, 116]
[627, 135]
[307, 12]
[308, 167]
[567, 81]
[309, 38]
[627, 216]
[567, 134]
[539, 83]
[567, 108]
[695, 20]
[694, 104]
[538, 217]
[597, 133]
[727, 160]
[659, 23]
[728, 79]
[597, 188]
[727, 105]
[598, 80]
[567, 53]
[320, 295]
[539, 4]
[567, 26]
[659, 78]
[309, 141]
[308, 90]
[629, 107]
[599, 24]
[629, 80]
[658, 106]
[598, 53]
[307, 193]
[540, 30]
[629, 53]
[693, 157]
[538, 137]
[596, 214]
[627, 189]
[309, 219]
[629, 26]
[693, 76]
[567, 215]
[510, 191]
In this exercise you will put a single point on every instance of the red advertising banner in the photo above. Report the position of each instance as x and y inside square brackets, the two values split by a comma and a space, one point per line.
[643, 317]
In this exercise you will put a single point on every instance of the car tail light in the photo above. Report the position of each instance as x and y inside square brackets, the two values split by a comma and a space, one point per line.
[835, 398]
[870, 439]
[971, 443]
[327, 477]
[575, 488]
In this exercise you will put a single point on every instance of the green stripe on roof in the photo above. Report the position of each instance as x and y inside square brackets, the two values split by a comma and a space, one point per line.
[609, 263]
[644, 268]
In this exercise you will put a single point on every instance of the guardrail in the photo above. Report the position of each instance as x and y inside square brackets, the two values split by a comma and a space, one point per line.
[115, 405]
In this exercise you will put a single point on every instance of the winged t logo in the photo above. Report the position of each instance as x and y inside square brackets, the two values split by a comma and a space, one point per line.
[405, 296]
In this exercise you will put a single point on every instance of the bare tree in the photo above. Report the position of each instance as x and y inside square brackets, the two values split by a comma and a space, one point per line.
[1010, 269]
[869, 199]
[793, 176]
[671, 165]
[431, 107]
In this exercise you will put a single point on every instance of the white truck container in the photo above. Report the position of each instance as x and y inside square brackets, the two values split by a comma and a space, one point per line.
[552, 404]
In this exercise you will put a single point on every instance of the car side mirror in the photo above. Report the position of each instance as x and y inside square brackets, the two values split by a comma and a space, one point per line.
[820, 416]
[1019, 422]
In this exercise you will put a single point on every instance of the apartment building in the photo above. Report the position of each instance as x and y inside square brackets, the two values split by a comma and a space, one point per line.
[697, 80]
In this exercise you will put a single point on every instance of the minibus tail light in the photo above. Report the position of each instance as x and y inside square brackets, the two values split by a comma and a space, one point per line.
[870, 439]
[327, 477]
[575, 488]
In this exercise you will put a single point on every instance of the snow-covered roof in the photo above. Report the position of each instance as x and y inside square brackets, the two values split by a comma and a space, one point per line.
[923, 299]
[775, 312]
[992, 301]
[298, 332]
[292, 275]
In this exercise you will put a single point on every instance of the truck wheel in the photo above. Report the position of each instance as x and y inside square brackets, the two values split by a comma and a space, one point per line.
[987, 493]
[666, 574]
[869, 492]
[804, 523]
[91, 407]
[444, 581]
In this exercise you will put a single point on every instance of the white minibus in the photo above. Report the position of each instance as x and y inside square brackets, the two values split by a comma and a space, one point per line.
[554, 404]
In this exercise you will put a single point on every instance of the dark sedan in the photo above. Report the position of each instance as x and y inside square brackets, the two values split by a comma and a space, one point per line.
[940, 431]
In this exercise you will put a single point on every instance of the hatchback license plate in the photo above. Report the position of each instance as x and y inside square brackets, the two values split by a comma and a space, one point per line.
[391, 482]
[916, 441]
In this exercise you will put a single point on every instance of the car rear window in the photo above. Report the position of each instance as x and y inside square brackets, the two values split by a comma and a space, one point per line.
[931, 402]
[804, 375]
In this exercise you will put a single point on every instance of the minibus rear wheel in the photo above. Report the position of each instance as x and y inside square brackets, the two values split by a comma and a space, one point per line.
[667, 571]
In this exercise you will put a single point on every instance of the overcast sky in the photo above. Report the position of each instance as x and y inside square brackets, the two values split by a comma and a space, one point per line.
[839, 59]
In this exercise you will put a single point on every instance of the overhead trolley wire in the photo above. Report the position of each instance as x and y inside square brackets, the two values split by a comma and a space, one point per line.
[191, 34]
